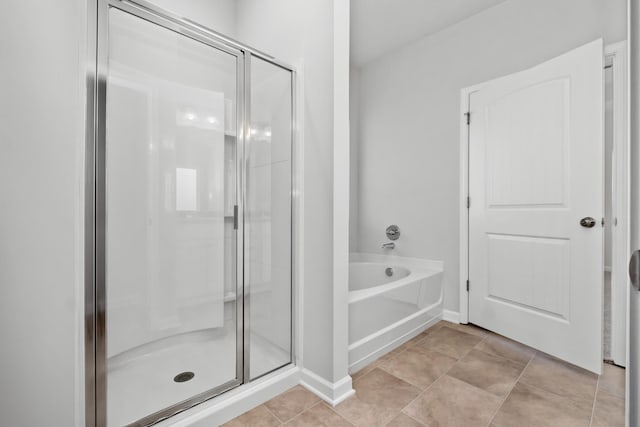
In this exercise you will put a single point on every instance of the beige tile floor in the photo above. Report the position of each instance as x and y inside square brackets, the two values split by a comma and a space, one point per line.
[457, 375]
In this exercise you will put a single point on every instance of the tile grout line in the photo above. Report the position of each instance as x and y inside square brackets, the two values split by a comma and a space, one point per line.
[423, 391]
[340, 415]
[431, 329]
[321, 402]
[501, 357]
[547, 391]
[510, 391]
[299, 413]
[412, 400]
[334, 411]
[472, 348]
[391, 357]
[271, 412]
[408, 416]
[417, 397]
[430, 385]
[556, 394]
[504, 357]
[595, 399]
[282, 395]
[482, 339]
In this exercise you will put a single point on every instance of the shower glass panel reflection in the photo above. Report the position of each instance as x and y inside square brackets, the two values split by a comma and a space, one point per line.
[170, 241]
[193, 222]
[268, 217]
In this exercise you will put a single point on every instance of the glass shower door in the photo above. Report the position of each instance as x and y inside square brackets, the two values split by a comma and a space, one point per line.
[172, 304]
[268, 218]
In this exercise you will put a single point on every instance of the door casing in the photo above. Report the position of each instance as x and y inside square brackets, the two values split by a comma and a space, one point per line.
[621, 245]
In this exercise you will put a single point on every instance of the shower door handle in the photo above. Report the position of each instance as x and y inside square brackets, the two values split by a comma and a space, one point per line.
[235, 217]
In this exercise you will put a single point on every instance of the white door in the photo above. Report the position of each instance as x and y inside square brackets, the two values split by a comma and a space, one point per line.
[536, 170]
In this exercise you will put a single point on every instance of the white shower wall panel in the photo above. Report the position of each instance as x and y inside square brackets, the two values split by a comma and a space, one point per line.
[166, 205]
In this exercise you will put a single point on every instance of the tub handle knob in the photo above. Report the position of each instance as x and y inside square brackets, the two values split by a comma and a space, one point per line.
[393, 232]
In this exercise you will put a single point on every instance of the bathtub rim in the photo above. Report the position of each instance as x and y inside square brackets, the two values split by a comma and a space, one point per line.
[418, 269]
[402, 269]
[409, 261]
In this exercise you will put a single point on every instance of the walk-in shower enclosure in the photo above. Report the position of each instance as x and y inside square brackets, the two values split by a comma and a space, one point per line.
[189, 215]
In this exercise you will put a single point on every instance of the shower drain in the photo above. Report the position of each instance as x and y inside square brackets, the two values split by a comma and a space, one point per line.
[183, 376]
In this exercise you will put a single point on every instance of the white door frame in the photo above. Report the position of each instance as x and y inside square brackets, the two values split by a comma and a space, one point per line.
[617, 54]
[620, 255]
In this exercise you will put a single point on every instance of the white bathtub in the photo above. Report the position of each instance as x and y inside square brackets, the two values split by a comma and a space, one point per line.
[386, 311]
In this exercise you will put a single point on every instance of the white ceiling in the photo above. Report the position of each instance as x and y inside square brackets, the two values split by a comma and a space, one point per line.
[380, 26]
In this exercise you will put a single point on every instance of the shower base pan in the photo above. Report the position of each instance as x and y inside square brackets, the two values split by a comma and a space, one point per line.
[155, 376]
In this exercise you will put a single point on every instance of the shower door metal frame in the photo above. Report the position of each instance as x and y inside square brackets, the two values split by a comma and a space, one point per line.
[95, 200]
[294, 213]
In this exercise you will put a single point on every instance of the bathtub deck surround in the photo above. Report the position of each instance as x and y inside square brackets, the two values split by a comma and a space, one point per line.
[391, 300]
[459, 375]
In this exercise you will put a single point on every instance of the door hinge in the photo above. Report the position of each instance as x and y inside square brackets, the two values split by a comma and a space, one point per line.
[235, 217]
[468, 117]
[467, 285]
[468, 202]
[602, 222]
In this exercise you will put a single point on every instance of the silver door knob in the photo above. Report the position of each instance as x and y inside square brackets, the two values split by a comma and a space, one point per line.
[588, 222]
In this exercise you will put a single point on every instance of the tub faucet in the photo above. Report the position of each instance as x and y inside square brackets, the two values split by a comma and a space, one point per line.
[389, 245]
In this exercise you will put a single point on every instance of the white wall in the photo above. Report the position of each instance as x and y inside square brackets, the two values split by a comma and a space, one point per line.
[341, 200]
[410, 114]
[218, 15]
[41, 160]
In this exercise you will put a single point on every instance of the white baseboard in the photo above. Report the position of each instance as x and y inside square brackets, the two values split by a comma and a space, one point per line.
[332, 393]
[246, 397]
[451, 316]
[238, 401]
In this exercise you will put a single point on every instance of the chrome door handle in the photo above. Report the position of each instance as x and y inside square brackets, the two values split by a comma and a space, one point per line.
[634, 270]
[588, 222]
